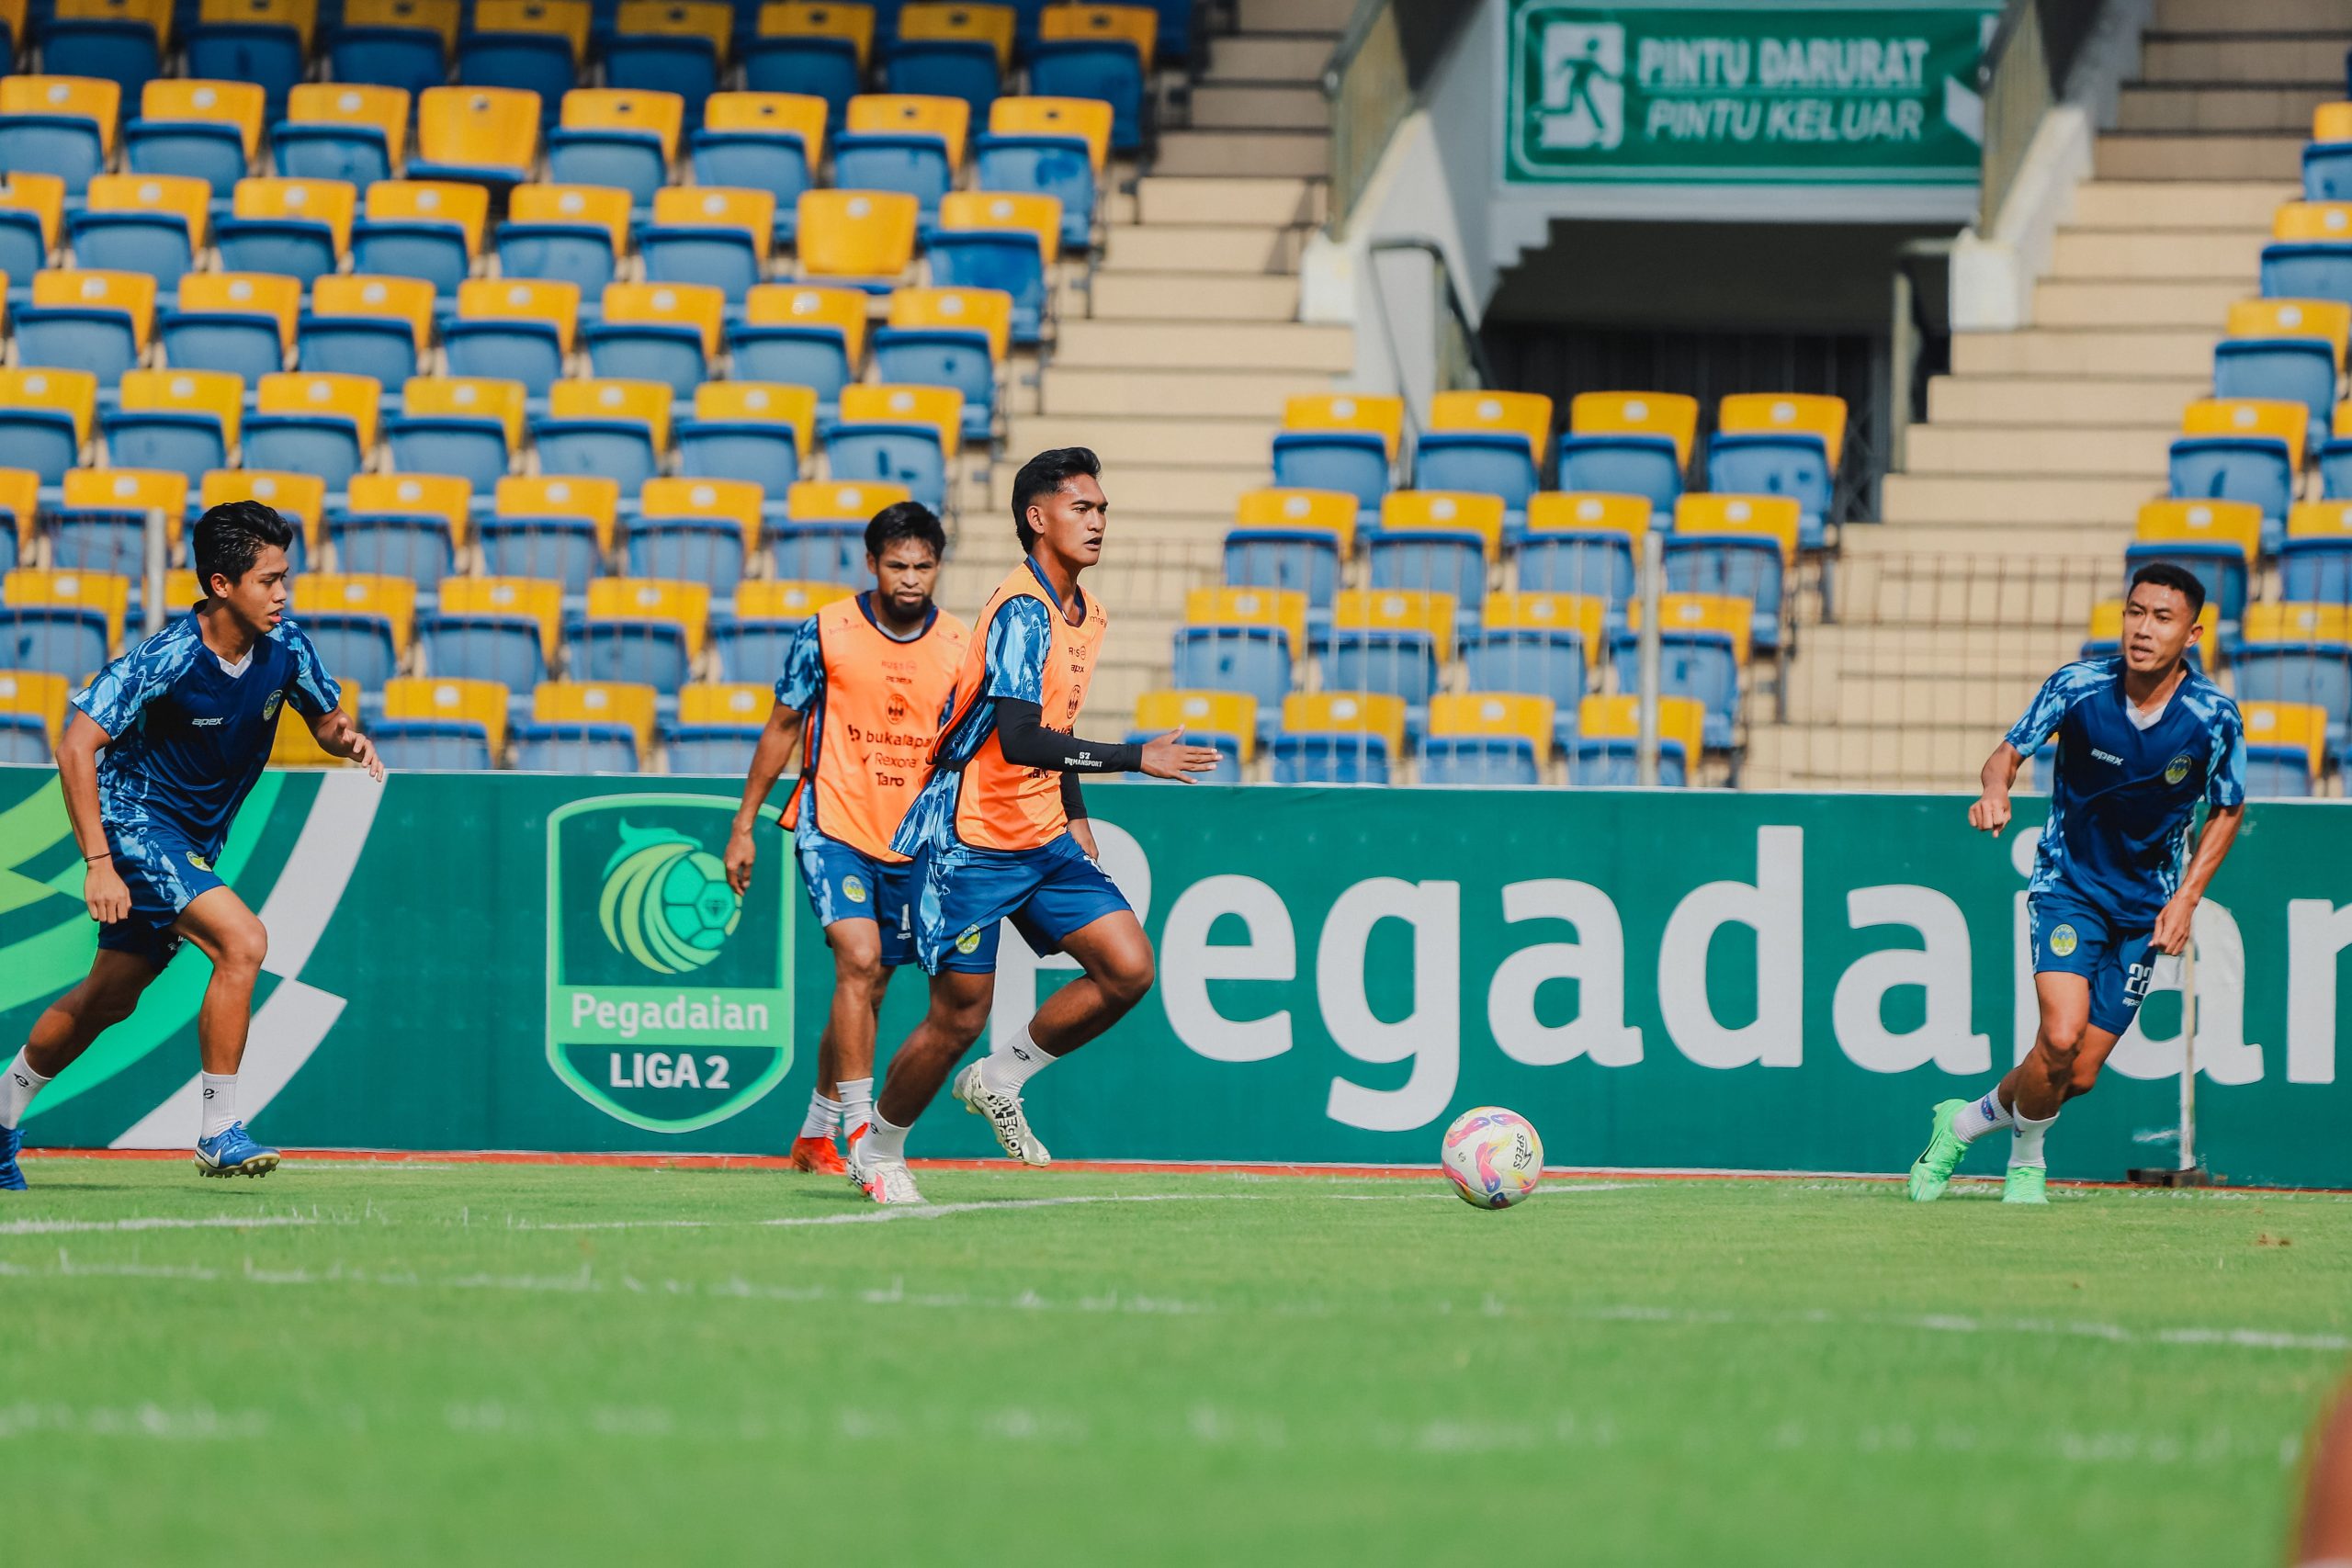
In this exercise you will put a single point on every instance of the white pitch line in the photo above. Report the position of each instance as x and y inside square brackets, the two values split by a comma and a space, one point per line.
[152, 1223]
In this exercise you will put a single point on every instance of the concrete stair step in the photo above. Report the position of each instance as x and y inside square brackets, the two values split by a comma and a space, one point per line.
[2017, 501]
[2053, 401]
[2277, 110]
[2204, 256]
[2243, 157]
[1300, 153]
[1328, 17]
[2248, 16]
[1989, 538]
[1269, 57]
[1191, 442]
[1177, 497]
[1902, 755]
[1261, 107]
[2087, 453]
[1891, 651]
[1204, 393]
[1209, 296]
[2163, 353]
[2314, 57]
[2166, 203]
[1292, 346]
[1284, 201]
[1884, 595]
[1155, 248]
[2116, 304]
[1845, 695]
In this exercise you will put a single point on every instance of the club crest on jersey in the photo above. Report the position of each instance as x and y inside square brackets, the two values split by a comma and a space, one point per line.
[270, 706]
[2178, 769]
[853, 889]
[2062, 940]
[198, 862]
[969, 942]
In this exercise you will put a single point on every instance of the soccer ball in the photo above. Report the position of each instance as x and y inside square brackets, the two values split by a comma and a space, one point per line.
[1493, 1157]
[700, 911]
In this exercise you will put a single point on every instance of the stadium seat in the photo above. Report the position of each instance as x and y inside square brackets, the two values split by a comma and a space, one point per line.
[45, 416]
[1338, 442]
[293, 745]
[58, 125]
[903, 142]
[2217, 541]
[1585, 543]
[2311, 253]
[710, 236]
[1487, 738]
[32, 219]
[624, 138]
[187, 421]
[1492, 443]
[586, 726]
[1437, 542]
[441, 722]
[1607, 749]
[1630, 443]
[1226, 721]
[376, 327]
[752, 644]
[263, 42]
[2300, 653]
[903, 435]
[2242, 449]
[300, 499]
[989, 240]
[1339, 737]
[156, 224]
[2315, 562]
[1549, 645]
[534, 46]
[1103, 52]
[394, 43]
[954, 51]
[646, 631]
[717, 725]
[194, 130]
[1040, 146]
[1243, 640]
[559, 527]
[1740, 545]
[519, 328]
[2286, 749]
[102, 523]
[948, 337]
[342, 130]
[123, 42]
[360, 623]
[19, 516]
[61, 623]
[1781, 443]
[667, 333]
[574, 234]
[817, 50]
[2327, 157]
[86, 320]
[678, 47]
[313, 424]
[296, 227]
[611, 429]
[242, 323]
[2291, 349]
[408, 525]
[32, 714]
[822, 536]
[482, 135]
[2336, 456]
[421, 229]
[492, 628]
[467, 425]
[696, 530]
[1392, 640]
[753, 431]
[863, 239]
[1292, 539]
[764, 141]
[1705, 640]
[798, 335]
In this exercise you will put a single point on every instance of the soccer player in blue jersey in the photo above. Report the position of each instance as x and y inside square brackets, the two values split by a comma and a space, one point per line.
[185, 722]
[2142, 737]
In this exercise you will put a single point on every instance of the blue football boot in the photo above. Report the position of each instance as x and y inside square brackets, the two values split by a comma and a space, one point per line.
[12, 1176]
[232, 1152]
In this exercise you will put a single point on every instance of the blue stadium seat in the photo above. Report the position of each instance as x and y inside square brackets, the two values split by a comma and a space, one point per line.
[383, 348]
[813, 356]
[1548, 661]
[579, 254]
[331, 150]
[574, 748]
[1481, 461]
[1742, 566]
[209, 149]
[66, 145]
[914, 163]
[2278, 773]
[943, 356]
[723, 259]
[69, 337]
[684, 64]
[823, 68]
[123, 53]
[412, 58]
[1254, 659]
[407, 248]
[1625, 465]
[24, 738]
[1107, 70]
[562, 549]
[355, 647]
[1613, 763]
[1488, 759]
[2237, 467]
[945, 68]
[1352, 461]
[2297, 369]
[472, 448]
[1599, 564]
[624, 159]
[416, 548]
[648, 351]
[875, 453]
[1304, 559]
[2307, 269]
[528, 351]
[178, 442]
[1057, 166]
[2327, 171]
[1700, 664]
[765, 453]
[24, 250]
[1766, 462]
[620, 450]
[818, 552]
[156, 243]
[723, 750]
[1351, 759]
[89, 538]
[647, 653]
[2315, 571]
[2336, 469]
[431, 745]
[265, 53]
[773, 160]
[54, 638]
[1399, 663]
[1001, 258]
[291, 246]
[1434, 561]
[686, 549]
[534, 63]
[753, 651]
[304, 444]
[2317, 671]
[504, 649]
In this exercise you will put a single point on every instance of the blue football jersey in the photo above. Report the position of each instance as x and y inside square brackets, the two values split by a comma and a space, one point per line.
[2122, 797]
[189, 738]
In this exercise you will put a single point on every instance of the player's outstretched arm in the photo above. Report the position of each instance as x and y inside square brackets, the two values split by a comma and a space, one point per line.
[338, 737]
[2172, 921]
[1990, 813]
[77, 774]
[1026, 742]
[773, 753]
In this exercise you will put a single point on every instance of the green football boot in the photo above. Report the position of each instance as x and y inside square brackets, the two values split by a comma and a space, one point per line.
[2025, 1184]
[1932, 1172]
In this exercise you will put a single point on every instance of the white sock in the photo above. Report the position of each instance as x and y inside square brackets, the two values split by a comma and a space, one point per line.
[2025, 1144]
[220, 1102]
[884, 1139]
[857, 1106]
[1010, 1062]
[1982, 1116]
[822, 1114]
[16, 1090]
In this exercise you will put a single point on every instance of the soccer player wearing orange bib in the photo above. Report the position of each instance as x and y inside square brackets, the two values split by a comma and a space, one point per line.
[999, 832]
[863, 682]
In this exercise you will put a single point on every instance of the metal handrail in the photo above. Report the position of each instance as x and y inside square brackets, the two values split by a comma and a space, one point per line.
[1343, 53]
[2013, 17]
[1454, 307]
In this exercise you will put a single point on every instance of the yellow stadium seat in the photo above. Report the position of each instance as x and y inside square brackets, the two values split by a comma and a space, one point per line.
[1201, 712]
[1669, 415]
[1584, 614]
[733, 501]
[293, 746]
[569, 19]
[827, 18]
[449, 700]
[1384, 416]
[600, 206]
[1139, 25]
[331, 202]
[300, 498]
[2283, 419]
[1283, 608]
[563, 495]
[89, 289]
[760, 403]
[20, 502]
[711, 19]
[1786, 413]
[83, 98]
[405, 300]
[2320, 520]
[940, 408]
[33, 693]
[685, 604]
[180, 587]
[468, 396]
[2342, 423]
[43, 196]
[1728, 613]
[355, 398]
[302, 16]
[1717, 515]
[220, 393]
[130, 489]
[245, 294]
[769, 599]
[155, 13]
[987, 310]
[925, 114]
[359, 593]
[795, 114]
[354, 104]
[928, 21]
[724, 702]
[432, 201]
[1088, 119]
[2313, 221]
[523, 300]
[1681, 721]
[2236, 523]
[448, 497]
[1453, 511]
[2107, 620]
[2289, 726]
[2331, 122]
[1513, 715]
[1331, 512]
[534, 599]
[629, 109]
[1397, 610]
[840, 500]
[1038, 215]
[646, 403]
[2296, 623]
[696, 305]
[804, 305]
[26, 588]
[1347, 713]
[1588, 512]
[750, 213]
[427, 15]
[856, 233]
[69, 391]
[597, 702]
[2328, 320]
[1527, 414]
[169, 100]
[491, 130]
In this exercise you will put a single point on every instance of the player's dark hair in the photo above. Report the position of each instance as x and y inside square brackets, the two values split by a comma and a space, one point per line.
[1044, 475]
[905, 520]
[231, 536]
[2180, 578]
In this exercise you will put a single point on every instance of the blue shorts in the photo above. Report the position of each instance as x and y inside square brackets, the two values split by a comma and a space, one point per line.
[1046, 893]
[2070, 937]
[849, 885]
[166, 873]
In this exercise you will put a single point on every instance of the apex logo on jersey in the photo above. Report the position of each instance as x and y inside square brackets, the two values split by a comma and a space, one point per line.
[668, 999]
[2063, 941]
[2178, 769]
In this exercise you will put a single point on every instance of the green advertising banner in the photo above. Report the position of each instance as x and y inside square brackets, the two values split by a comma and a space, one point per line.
[1668, 979]
[1802, 93]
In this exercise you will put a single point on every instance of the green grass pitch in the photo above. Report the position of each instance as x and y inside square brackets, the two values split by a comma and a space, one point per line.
[352, 1364]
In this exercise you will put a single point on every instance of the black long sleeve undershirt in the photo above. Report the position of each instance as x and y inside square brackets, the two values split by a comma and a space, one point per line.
[1022, 734]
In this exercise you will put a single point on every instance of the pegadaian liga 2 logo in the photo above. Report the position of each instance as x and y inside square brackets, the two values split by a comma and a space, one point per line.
[666, 902]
